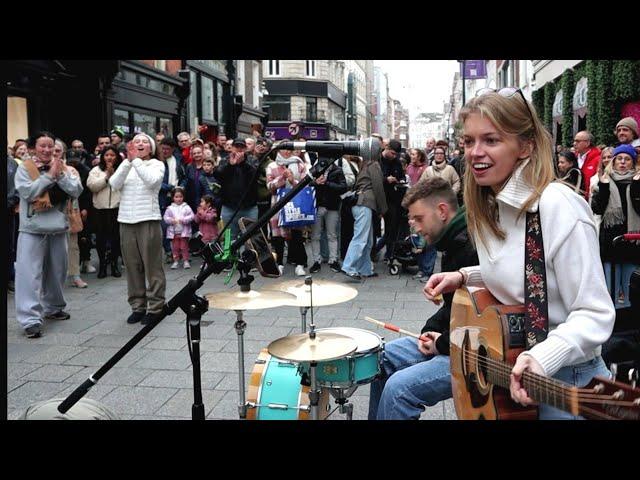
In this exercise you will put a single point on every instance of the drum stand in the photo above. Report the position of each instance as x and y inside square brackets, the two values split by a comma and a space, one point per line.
[303, 315]
[342, 400]
[240, 327]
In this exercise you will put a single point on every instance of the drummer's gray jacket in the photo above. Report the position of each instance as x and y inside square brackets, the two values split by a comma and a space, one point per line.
[53, 220]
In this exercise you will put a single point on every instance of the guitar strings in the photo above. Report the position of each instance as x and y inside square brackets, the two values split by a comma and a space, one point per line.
[549, 384]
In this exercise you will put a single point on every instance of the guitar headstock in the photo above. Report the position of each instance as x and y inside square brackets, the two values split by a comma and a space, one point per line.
[605, 399]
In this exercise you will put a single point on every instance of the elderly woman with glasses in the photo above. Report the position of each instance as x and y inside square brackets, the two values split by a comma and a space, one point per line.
[510, 195]
[617, 199]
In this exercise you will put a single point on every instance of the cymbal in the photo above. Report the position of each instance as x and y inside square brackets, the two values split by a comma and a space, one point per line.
[302, 348]
[251, 300]
[324, 292]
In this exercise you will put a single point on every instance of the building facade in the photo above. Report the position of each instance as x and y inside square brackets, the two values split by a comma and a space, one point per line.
[305, 98]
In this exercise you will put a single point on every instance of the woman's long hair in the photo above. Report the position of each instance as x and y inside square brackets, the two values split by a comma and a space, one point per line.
[103, 163]
[510, 116]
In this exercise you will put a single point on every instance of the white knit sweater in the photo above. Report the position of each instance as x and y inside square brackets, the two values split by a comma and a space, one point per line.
[139, 182]
[581, 314]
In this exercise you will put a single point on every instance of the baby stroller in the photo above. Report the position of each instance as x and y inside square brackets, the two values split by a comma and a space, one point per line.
[621, 352]
[407, 245]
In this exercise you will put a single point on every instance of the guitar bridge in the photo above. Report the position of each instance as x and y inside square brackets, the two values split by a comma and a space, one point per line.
[515, 321]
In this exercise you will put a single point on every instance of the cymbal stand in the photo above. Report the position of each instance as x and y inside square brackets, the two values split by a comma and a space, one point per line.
[240, 326]
[245, 286]
[303, 315]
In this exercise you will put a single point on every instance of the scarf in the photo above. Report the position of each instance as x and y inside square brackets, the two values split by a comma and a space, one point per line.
[280, 160]
[439, 167]
[613, 214]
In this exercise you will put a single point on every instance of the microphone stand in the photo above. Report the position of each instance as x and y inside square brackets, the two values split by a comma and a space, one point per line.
[195, 306]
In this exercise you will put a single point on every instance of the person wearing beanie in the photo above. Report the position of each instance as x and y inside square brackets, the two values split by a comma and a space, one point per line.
[139, 178]
[617, 199]
[627, 130]
[117, 137]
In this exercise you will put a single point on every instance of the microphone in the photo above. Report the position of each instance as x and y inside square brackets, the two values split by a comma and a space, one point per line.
[368, 149]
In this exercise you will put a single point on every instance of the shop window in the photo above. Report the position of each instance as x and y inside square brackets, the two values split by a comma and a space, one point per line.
[279, 107]
[207, 98]
[144, 123]
[121, 120]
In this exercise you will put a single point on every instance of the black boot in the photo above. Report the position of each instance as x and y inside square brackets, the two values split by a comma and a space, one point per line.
[102, 269]
[114, 268]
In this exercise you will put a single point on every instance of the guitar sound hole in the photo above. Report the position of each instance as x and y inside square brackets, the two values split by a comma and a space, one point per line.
[482, 365]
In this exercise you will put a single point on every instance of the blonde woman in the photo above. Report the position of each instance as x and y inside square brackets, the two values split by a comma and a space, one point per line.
[509, 172]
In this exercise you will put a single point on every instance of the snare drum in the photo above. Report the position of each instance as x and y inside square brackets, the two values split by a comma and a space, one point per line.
[359, 368]
[274, 386]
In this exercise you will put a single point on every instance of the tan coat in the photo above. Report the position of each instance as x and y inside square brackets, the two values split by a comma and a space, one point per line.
[448, 173]
[103, 195]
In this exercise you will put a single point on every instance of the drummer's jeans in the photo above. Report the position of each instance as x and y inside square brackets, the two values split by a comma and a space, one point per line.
[410, 381]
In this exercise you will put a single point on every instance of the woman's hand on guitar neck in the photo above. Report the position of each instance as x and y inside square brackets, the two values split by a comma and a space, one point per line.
[516, 387]
[440, 283]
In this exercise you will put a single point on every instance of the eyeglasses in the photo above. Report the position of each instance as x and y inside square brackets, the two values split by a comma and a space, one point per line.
[507, 92]
[576, 140]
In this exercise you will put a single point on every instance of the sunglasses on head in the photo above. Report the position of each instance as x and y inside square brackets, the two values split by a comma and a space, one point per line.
[506, 92]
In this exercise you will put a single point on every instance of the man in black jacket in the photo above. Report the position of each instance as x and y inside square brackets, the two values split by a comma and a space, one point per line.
[393, 174]
[238, 187]
[416, 372]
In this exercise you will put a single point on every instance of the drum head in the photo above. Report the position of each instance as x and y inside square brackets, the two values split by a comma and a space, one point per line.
[85, 409]
[365, 339]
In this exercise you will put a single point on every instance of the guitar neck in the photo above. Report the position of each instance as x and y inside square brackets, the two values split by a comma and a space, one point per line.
[540, 389]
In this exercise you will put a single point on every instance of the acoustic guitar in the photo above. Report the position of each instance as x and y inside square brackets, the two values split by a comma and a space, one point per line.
[486, 338]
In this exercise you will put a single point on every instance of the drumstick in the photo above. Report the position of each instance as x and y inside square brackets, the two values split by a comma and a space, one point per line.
[392, 327]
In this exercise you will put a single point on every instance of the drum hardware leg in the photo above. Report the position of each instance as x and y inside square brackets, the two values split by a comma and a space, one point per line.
[240, 326]
[303, 315]
[312, 328]
[344, 405]
[314, 393]
[197, 308]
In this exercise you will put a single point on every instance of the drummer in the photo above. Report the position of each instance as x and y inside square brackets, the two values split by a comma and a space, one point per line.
[415, 373]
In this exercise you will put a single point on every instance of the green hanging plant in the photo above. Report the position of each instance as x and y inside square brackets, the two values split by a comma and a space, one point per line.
[568, 85]
[537, 100]
[549, 96]
[625, 77]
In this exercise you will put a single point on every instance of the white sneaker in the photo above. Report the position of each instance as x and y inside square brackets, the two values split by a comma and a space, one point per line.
[281, 269]
[300, 271]
[174, 265]
[186, 264]
[90, 268]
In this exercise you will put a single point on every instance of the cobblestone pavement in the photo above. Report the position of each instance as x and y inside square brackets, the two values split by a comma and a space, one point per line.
[154, 380]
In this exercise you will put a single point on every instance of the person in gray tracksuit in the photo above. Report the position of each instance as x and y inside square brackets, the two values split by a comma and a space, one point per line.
[41, 264]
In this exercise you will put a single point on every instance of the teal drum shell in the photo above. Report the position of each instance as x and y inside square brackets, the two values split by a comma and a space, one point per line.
[281, 389]
[359, 368]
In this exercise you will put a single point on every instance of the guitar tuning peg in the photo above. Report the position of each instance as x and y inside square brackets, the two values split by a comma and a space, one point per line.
[633, 377]
[614, 371]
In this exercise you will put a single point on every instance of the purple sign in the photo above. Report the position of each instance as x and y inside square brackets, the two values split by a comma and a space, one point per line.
[309, 133]
[475, 69]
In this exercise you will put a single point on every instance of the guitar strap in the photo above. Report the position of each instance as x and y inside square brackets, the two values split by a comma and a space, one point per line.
[536, 321]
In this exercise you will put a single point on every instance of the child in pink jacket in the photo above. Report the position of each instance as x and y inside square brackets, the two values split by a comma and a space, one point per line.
[207, 218]
[178, 218]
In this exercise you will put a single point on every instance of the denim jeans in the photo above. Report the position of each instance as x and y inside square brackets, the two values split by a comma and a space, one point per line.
[623, 272]
[326, 221]
[427, 260]
[410, 380]
[227, 213]
[579, 375]
[358, 255]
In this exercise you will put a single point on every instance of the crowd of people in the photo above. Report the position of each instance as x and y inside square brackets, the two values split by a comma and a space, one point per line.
[140, 202]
